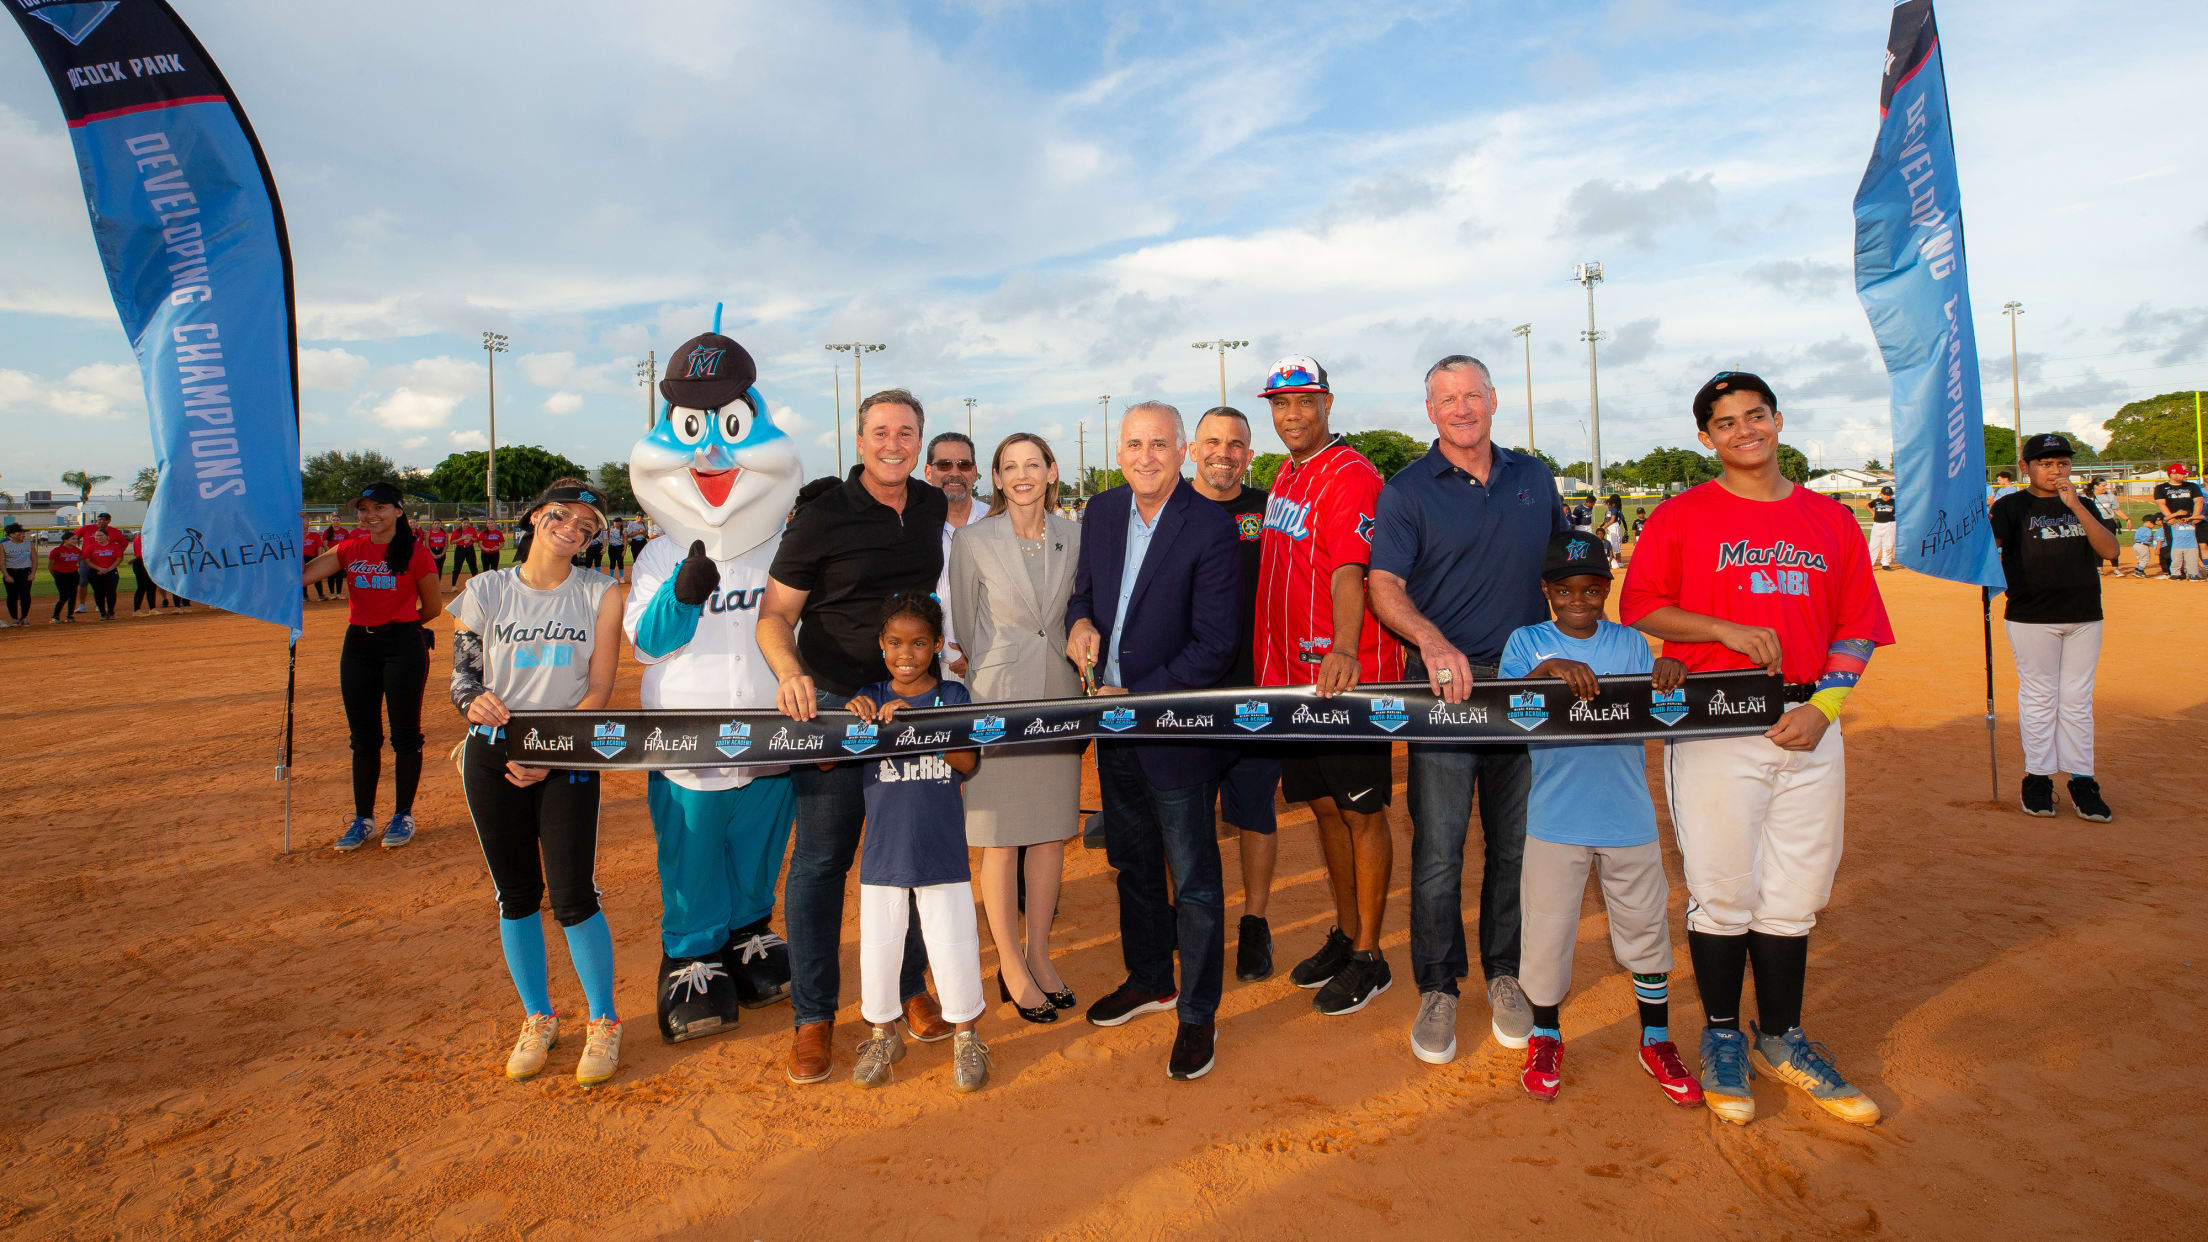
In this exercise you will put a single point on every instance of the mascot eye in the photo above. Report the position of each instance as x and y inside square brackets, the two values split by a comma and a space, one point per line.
[734, 423]
[690, 425]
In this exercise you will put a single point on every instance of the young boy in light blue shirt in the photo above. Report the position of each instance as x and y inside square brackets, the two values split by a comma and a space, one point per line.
[2145, 539]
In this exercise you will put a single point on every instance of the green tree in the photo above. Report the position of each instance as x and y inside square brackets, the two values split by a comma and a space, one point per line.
[1262, 469]
[141, 488]
[1792, 464]
[2157, 429]
[2001, 448]
[1874, 464]
[1387, 449]
[84, 483]
[523, 471]
[1661, 467]
[333, 478]
[1544, 458]
[613, 480]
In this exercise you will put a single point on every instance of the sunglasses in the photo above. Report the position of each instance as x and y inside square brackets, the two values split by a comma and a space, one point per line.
[962, 463]
[560, 515]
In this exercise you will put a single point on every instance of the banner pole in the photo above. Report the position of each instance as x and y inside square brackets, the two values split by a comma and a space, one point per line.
[1993, 751]
[283, 758]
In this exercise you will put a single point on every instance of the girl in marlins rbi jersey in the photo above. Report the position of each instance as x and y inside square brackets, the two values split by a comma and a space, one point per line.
[542, 635]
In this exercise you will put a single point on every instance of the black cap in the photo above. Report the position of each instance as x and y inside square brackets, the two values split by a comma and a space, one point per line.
[1729, 381]
[708, 372]
[1575, 552]
[381, 493]
[107, 517]
[1887, 490]
[11, 528]
[2047, 444]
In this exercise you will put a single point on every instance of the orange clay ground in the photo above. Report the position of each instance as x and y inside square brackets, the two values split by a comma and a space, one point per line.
[204, 1039]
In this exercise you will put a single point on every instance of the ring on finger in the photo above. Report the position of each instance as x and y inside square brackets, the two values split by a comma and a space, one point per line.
[1445, 676]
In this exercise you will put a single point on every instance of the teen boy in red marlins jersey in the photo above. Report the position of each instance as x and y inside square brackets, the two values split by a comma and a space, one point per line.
[1314, 629]
[1751, 571]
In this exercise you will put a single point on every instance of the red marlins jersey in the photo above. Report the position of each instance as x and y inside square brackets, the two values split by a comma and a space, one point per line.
[1317, 519]
[104, 554]
[374, 594]
[1798, 565]
[492, 538]
[463, 536]
[435, 538]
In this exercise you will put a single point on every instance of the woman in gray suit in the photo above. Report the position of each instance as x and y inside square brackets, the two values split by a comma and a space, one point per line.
[1011, 574]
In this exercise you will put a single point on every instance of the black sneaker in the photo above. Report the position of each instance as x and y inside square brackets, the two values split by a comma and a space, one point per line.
[1315, 970]
[1128, 1001]
[2085, 797]
[1191, 1051]
[1354, 986]
[1253, 954]
[2039, 795]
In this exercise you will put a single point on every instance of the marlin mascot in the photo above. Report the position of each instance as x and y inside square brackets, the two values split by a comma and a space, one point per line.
[720, 479]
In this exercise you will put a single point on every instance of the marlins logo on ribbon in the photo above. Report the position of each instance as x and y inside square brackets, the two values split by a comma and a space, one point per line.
[735, 738]
[859, 738]
[1528, 709]
[1253, 715]
[1388, 714]
[610, 738]
[986, 729]
[1118, 719]
[1668, 706]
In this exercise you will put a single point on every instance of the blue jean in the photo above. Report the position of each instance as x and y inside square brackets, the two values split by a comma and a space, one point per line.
[831, 811]
[1151, 828]
[1443, 780]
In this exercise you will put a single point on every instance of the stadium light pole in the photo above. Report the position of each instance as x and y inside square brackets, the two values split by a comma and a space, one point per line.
[1104, 403]
[1081, 461]
[1222, 344]
[1524, 332]
[2016, 391]
[971, 402]
[1590, 275]
[647, 377]
[857, 350]
[494, 344]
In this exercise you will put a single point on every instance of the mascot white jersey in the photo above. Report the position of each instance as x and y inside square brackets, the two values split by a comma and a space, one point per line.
[719, 478]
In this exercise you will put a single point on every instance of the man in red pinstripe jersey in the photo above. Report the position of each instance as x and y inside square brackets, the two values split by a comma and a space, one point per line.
[1313, 628]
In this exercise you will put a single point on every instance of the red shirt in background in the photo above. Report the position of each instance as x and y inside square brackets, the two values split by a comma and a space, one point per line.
[492, 539]
[375, 595]
[1798, 565]
[464, 537]
[63, 560]
[1318, 518]
[435, 537]
[138, 545]
[310, 546]
[105, 554]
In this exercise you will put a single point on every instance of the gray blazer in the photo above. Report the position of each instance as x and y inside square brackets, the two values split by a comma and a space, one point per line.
[1015, 641]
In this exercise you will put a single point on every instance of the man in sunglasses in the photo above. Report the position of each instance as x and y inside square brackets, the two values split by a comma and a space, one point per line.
[953, 470]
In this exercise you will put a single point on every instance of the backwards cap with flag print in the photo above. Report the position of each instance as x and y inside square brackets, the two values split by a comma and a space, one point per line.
[1295, 373]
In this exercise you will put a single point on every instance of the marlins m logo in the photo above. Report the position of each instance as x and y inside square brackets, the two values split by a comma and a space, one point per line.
[735, 738]
[986, 729]
[1254, 715]
[705, 363]
[1118, 719]
[1388, 714]
[74, 21]
[609, 738]
[1528, 709]
[859, 737]
[1668, 706]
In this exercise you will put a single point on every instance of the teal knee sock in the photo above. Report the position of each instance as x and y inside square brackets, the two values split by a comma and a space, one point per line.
[590, 945]
[523, 942]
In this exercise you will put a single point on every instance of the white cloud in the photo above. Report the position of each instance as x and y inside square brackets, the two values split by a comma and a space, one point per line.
[548, 370]
[335, 369]
[563, 403]
[470, 440]
[406, 409]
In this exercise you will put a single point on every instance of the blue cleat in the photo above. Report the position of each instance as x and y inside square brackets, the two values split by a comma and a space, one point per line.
[1725, 1075]
[400, 831]
[356, 834]
[1794, 1060]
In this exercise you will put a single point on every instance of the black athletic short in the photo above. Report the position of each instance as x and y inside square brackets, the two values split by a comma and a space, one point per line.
[1356, 775]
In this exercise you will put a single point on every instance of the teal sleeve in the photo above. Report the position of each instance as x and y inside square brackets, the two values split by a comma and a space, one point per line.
[668, 624]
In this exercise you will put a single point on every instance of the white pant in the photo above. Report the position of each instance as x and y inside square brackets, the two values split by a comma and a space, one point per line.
[1759, 830]
[1883, 535]
[2185, 563]
[954, 949]
[2054, 694]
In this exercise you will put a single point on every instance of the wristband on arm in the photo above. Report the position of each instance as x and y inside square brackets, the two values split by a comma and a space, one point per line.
[1845, 661]
[467, 669]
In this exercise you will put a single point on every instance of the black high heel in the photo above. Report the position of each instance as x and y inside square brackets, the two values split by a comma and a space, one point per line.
[1061, 1000]
[1040, 1015]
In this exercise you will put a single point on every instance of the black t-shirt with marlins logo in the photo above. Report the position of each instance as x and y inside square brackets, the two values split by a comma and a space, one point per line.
[2183, 498]
[2054, 576]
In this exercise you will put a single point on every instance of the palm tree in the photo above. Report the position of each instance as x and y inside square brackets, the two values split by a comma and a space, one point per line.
[141, 488]
[84, 483]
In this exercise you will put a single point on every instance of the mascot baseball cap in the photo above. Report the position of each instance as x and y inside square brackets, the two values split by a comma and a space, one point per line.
[1729, 381]
[1575, 552]
[2047, 444]
[708, 372]
[1295, 373]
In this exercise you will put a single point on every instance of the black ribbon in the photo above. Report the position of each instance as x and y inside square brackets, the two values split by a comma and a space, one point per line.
[1494, 712]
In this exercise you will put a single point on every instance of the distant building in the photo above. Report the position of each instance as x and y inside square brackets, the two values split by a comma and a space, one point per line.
[1833, 481]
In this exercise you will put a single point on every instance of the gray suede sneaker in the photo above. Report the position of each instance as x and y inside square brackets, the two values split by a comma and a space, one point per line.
[969, 1062]
[882, 1049]
[1512, 1015]
[1434, 1032]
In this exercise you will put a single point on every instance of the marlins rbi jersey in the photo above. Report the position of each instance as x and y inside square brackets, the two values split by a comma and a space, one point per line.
[720, 667]
[1798, 566]
[1318, 518]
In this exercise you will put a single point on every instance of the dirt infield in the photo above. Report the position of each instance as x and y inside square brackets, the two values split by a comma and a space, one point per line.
[205, 1039]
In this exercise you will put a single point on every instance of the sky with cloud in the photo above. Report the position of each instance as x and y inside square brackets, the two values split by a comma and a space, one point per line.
[1039, 205]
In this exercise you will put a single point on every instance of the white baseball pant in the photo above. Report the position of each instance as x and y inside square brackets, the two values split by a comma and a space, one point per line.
[1552, 884]
[1759, 830]
[2054, 694]
[1883, 535]
[954, 948]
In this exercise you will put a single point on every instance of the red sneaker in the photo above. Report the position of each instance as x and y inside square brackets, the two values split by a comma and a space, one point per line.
[1663, 1064]
[1544, 1072]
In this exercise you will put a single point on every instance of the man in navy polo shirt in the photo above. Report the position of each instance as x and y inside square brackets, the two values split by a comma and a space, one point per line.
[1456, 567]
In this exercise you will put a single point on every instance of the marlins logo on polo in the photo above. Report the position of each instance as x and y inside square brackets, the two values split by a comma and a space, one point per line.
[735, 738]
[986, 729]
[1668, 706]
[1253, 715]
[1118, 719]
[1528, 709]
[609, 738]
[1388, 714]
[859, 737]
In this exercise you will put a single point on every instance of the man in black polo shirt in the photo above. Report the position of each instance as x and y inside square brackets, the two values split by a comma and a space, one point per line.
[844, 554]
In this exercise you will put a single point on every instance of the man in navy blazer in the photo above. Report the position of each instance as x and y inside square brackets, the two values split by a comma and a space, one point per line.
[1153, 609]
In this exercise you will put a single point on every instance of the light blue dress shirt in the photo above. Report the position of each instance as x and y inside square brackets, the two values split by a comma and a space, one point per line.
[1138, 546]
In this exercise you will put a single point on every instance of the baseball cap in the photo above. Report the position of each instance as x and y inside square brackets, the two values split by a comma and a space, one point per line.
[2177, 467]
[1295, 373]
[1572, 553]
[381, 493]
[1725, 382]
[588, 497]
[2047, 444]
[1887, 490]
[708, 371]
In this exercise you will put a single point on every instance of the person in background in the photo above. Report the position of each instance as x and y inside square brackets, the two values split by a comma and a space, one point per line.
[334, 534]
[66, 563]
[310, 546]
[435, 537]
[18, 557]
[2184, 545]
[953, 470]
[463, 548]
[2146, 539]
[2181, 502]
[104, 550]
[490, 537]
[1883, 529]
[2105, 508]
[617, 552]
[2004, 483]
[103, 525]
[1640, 519]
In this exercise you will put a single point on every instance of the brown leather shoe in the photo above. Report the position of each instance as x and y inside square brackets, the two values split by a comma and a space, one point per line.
[924, 1018]
[813, 1052]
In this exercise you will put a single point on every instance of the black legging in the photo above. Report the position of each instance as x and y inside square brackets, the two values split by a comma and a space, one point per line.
[65, 595]
[143, 594]
[462, 554]
[490, 559]
[536, 836]
[104, 586]
[19, 595]
[384, 667]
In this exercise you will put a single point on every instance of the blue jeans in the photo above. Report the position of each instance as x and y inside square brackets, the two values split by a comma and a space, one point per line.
[1442, 782]
[831, 810]
[1151, 828]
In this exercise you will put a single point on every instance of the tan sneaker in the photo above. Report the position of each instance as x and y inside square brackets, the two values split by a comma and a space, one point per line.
[881, 1050]
[601, 1052]
[969, 1062]
[540, 1034]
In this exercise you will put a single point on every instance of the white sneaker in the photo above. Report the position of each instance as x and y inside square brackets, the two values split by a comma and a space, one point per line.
[601, 1052]
[540, 1034]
